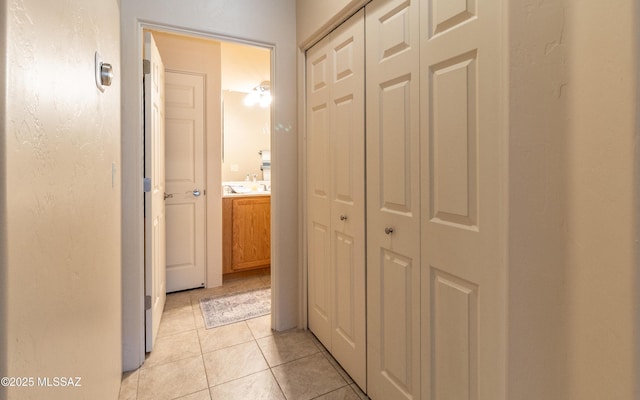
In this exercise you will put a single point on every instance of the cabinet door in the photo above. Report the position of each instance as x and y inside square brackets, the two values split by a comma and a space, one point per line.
[336, 211]
[393, 200]
[251, 228]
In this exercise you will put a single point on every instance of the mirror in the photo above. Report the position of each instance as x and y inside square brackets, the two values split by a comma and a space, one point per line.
[246, 124]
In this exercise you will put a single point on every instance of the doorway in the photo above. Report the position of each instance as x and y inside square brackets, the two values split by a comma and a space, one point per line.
[243, 24]
[202, 152]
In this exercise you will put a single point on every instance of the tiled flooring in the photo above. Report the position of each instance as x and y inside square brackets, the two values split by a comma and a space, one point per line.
[244, 361]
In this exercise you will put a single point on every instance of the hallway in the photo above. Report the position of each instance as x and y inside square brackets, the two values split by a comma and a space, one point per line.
[244, 360]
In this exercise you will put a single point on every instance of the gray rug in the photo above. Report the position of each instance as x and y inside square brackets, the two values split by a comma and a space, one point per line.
[218, 311]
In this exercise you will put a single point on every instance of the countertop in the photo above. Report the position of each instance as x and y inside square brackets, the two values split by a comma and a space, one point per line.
[248, 194]
[243, 189]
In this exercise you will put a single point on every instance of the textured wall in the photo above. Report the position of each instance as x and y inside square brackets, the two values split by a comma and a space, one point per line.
[62, 218]
[572, 183]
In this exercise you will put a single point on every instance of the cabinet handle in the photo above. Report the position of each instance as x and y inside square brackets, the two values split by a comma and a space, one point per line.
[388, 230]
[343, 217]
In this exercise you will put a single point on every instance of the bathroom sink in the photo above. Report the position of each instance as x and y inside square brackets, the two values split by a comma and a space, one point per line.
[237, 189]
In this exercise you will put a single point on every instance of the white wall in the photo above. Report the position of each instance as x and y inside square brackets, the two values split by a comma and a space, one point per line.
[271, 23]
[573, 200]
[61, 301]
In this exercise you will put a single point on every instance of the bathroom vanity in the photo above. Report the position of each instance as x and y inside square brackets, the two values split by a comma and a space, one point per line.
[246, 233]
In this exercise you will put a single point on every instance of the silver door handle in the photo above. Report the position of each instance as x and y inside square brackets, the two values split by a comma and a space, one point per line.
[196, 192]
[388, 230]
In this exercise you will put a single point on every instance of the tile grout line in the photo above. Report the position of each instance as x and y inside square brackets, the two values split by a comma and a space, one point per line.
[193, 298]
[204, 365]
[269, 365]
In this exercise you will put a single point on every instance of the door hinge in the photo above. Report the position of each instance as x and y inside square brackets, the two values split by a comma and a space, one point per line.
[147, 302]
[146, 66]
[146, 185]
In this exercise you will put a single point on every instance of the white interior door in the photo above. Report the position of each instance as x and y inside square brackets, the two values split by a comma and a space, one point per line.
[393, 200]
[336, 226]
[185, 180]
[155, 277]
[463, 273]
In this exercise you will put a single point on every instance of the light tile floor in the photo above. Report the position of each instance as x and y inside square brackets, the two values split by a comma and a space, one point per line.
[243, 361]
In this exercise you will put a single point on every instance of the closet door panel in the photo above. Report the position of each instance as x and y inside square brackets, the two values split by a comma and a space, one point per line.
[319, 193]
[464, 200]
[395, 147]
[348, 342]
[346, 309]
[396, 315]
[344, 165]
[319, 290]
[336, 201]
[393, 200]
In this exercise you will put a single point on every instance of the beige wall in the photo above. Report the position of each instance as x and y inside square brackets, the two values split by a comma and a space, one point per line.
[61, 246]
[243, 66]
[269, 23]
[314, 18]
[573, 213]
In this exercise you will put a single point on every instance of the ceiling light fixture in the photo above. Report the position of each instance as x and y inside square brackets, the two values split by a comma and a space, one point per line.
[260, 95]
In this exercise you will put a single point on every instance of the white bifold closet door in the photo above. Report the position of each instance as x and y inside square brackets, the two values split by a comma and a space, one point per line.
[393, 199]
[336, 195]
[464, 200]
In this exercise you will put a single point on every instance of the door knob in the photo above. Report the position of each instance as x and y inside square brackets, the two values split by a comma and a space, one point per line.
[196, 192]
[343, 217]
[388, 230]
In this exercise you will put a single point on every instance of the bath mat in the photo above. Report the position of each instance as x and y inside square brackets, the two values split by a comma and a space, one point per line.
[218, 311]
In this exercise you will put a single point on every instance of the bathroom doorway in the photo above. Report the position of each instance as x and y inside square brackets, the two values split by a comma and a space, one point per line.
[212, 139]
[246, 161]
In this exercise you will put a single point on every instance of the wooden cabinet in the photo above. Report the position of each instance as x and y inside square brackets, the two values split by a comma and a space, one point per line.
[246, 231]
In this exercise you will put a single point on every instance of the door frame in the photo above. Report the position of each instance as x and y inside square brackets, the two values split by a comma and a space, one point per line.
[133, 282]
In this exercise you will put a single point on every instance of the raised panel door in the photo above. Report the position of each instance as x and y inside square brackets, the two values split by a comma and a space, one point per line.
[185, 180]
[464, 202]
[393, 200]
[335, 195]
[155, 274]
[318, 191]
[347, 134]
